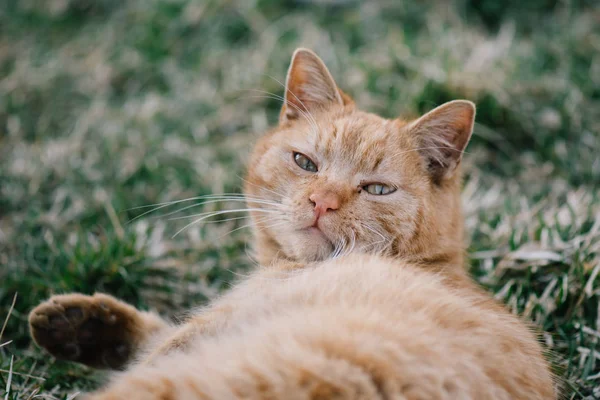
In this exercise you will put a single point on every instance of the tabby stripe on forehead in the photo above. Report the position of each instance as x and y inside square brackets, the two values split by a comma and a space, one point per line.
[378, 161]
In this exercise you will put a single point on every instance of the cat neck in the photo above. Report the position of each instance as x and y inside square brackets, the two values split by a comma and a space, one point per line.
[449, 256]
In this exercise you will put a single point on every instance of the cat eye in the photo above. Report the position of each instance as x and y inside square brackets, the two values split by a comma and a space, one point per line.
[305, 163]
[378, 189]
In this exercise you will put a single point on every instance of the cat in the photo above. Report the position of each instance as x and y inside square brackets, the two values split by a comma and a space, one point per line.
[362, 291]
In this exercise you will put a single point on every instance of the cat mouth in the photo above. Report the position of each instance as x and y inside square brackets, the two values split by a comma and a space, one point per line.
[315, 231]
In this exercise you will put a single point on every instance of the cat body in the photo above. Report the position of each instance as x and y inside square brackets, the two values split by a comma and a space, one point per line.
[357, 327]
[362, 291]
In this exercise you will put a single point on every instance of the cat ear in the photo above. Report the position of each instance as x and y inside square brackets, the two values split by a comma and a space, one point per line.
[308, 86]
[443, 135]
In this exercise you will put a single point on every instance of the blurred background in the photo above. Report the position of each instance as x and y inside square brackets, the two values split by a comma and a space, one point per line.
[109, 105]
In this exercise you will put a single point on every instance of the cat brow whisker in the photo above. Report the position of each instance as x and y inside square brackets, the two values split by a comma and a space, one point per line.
[285, 88]
[311, 121]
[273, 96]
[430, 148]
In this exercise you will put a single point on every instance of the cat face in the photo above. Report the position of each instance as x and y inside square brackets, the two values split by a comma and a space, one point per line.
[331, 179]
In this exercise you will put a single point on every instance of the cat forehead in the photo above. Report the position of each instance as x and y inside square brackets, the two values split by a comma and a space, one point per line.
[361, 140]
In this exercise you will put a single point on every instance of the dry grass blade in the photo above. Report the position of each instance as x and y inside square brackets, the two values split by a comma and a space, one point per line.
[10, 310]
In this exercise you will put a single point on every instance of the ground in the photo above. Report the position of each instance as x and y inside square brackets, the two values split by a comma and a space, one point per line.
[108, 105]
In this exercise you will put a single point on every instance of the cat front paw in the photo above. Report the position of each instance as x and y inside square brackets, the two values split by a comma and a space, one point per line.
[97, 331]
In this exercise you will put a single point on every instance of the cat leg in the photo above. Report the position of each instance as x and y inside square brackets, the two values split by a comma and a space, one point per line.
[205, 324]
[215, 318]
[98, 331]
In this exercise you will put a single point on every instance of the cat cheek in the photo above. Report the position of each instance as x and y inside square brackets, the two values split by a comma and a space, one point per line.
[269, 166]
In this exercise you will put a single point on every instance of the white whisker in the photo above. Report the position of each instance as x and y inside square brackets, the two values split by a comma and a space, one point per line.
[251, 225]
[311, 121]
[202, 214]
[167, 203]
[275, 205]
[262, 187]
[314, 122]
[293, 94]
[213, 214]
[213, 198]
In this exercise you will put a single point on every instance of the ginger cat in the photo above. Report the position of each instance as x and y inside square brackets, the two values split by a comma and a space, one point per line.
[362, 293]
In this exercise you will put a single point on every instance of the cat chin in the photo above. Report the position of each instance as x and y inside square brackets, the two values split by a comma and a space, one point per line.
[311, 244]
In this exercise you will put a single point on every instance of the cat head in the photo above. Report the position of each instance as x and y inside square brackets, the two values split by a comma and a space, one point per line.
[332, 179]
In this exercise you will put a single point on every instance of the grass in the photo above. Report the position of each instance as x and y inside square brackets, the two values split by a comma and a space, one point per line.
[108, 105]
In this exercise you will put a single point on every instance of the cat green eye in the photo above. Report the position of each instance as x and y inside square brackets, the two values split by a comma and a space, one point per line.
[304, 162]
[378, 189]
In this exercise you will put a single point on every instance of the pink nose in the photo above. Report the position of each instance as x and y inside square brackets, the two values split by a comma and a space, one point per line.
[324, 201]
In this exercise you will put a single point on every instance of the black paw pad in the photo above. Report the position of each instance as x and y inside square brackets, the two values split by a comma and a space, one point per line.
[58, 322]
[89, 330]
[74, 314]
[69, 351]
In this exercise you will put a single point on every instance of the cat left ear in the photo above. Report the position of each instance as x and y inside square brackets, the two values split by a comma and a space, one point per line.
[308, 86]
[443, 135]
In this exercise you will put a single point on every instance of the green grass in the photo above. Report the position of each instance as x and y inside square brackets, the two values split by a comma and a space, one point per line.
[108, 105]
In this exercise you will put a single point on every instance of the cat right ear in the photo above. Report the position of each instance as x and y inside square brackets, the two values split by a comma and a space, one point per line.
[443, 135]
[308, 86]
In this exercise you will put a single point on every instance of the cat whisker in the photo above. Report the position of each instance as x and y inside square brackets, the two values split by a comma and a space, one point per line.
[213, 214]
[372, 246]
[348, 249]
[311, 121]
[274, 205]
[430, 148]
[202, 214]
[220, 221]
[209, 198]
[182, 200]
[262, 187]
[287, 90]
[305, 112]
[159, 206]
[353, 245]
[373, 230]
[252, 224]
[339, 247]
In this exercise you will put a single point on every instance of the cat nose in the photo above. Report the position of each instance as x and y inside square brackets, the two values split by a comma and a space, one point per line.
[324, 201]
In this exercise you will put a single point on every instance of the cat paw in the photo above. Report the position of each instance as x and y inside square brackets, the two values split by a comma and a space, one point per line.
[98, 331]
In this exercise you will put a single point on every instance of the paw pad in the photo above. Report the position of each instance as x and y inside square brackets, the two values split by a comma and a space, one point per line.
[87, 329]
